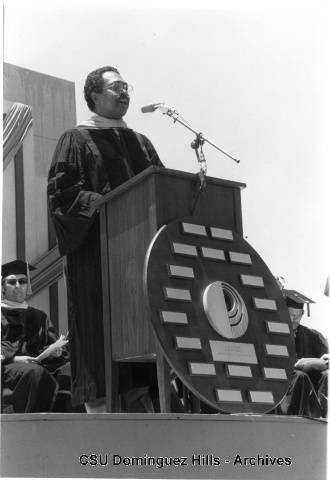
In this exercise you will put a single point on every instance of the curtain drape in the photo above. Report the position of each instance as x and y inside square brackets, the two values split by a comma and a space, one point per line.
[16, 124]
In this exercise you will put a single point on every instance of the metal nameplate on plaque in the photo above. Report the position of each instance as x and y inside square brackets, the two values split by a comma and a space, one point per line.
[184, 249]
[277, 327]
[188, 343]
[233, 352]
[222, 233]
[177, 294]
[238, 257]
[239, 371]
[193, 229]
[276, 350]
[275, 373]
[264, 304]
[227, 395]
[252, 281]
[182, 272]
[198, 368]
[261, 396]
[213, 253]
[176, 318]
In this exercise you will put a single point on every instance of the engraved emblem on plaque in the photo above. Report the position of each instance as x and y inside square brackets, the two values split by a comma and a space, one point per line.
[225, 310]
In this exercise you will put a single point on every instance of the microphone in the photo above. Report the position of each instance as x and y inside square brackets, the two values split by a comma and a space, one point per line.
[150, 108]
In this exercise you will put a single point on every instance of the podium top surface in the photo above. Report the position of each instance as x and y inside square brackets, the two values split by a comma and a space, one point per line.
[163, 171]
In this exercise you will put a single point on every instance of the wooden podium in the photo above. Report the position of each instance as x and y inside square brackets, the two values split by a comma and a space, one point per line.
[129, 218]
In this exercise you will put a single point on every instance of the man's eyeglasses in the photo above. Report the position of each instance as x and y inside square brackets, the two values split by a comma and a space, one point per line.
[119, 87]
[296, 312]
[20, 281]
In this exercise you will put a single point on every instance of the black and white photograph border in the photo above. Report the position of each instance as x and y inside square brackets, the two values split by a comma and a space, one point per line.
[233, 95]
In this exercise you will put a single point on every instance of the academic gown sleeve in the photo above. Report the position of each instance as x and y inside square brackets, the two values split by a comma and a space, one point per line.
[310, 343]
[69, 196]
[149, 150]
[9, 348]
[41, 334]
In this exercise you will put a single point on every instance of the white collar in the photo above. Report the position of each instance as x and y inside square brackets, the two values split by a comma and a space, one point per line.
[14, 305]
[98, 122]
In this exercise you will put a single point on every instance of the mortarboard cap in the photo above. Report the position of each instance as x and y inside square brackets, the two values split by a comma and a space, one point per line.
[295, 299]
[15, 267]
[18, 267]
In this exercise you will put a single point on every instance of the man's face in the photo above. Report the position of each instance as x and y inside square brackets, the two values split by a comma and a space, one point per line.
[296, 316]
[112, 102]
[14, 288]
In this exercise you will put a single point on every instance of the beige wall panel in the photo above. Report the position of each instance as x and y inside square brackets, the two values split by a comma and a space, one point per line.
[54, 111]
[36, 228]
[62, 307]
[43, 150]
[9, 214]
[40, 300]
[52, 99]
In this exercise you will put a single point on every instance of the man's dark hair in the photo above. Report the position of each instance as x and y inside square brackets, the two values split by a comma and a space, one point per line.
[94, 83]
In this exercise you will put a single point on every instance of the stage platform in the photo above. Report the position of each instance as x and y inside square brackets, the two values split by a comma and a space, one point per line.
[163, 446]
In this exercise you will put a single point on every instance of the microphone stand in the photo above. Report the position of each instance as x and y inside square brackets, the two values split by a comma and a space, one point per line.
[197, 145]
[177, 118]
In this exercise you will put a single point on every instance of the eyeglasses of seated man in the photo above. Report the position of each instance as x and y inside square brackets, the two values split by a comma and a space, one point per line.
[14, 288]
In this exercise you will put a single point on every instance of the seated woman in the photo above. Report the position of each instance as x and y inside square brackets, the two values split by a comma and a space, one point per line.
[25, 333]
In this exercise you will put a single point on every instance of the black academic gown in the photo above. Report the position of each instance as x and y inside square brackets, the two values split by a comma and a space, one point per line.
[28, 332]
[86, 165]
[307, 393]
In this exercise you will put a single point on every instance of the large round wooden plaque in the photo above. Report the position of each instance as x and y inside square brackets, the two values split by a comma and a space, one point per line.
[219, 316]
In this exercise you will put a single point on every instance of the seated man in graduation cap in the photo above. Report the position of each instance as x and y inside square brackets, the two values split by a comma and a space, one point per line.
[308, 390]
[25, 334]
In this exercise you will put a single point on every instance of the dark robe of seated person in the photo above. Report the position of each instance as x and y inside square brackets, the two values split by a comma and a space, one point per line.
[307, 394]
[28, 386]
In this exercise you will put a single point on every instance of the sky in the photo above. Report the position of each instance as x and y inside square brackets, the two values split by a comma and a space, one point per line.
[253, 79]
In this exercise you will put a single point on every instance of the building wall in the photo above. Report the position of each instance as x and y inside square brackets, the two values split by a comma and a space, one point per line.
[41, 300]
[54, 111]
[35, 201]
[62, 307]
[9, 216]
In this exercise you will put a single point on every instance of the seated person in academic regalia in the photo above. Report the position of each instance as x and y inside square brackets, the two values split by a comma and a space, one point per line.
[25, 333]
[308, 390]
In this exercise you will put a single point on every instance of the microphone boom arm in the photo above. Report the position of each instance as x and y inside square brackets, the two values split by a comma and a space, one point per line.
[176, 118]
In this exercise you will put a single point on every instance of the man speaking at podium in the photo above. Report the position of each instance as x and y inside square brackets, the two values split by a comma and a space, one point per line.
[89, 161]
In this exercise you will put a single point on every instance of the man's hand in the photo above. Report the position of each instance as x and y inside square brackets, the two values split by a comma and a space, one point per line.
[325, 358]
[310, 364]
[54, 349]
[24, 359]
[57, 352]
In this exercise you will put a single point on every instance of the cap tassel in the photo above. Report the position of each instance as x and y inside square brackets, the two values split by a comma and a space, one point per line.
[29, 288]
